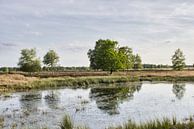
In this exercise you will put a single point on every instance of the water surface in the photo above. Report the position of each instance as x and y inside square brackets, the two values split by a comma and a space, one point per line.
[98, 107]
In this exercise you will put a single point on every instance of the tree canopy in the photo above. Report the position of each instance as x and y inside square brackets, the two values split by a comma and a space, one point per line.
[106, 55]
[178, 60]
[28, 61]
[51, 58]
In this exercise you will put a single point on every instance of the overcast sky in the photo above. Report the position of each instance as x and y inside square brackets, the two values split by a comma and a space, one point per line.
[153, 28]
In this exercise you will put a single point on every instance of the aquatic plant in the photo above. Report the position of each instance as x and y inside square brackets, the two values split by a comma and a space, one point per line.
[157, 124]
[67, 123]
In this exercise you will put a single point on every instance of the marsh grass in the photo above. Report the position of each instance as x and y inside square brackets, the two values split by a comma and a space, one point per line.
[67, 123]
[155, 124]
[21, 83]
[79, 82]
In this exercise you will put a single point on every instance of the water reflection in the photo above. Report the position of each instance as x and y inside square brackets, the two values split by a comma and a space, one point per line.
[179, 90]
[30, 101]
[108, 99]
[52, 99]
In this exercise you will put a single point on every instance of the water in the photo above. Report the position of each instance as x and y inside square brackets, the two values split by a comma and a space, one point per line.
[98, 107]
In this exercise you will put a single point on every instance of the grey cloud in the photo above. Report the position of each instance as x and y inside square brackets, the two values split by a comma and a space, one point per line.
[4, 44]
[148, 26]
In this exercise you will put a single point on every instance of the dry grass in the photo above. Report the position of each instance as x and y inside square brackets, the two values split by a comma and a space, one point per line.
[63, 74]
[139, 73]
[158, 73]
[84, 79]
[8, 79]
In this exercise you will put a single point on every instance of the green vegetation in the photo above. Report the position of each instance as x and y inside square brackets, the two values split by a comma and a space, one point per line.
[28, 61]
[51, 58]
[155, 124]
[109, 57]
[82, 82]
[178, 60]
[67, 123]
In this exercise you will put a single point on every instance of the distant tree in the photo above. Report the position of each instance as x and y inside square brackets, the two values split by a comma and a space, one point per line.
[51, 58]
[28, 61]
[105, 55]
[178, 60]
[137, 62]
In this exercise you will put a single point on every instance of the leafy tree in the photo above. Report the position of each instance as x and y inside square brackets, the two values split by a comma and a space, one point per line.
[28, 61]
[137, 62]
[51, 58]
[105, 55]
[178, 60]
[126, 57]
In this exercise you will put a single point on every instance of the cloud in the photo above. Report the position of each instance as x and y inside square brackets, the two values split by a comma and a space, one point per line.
[4, 44]
[153, 28]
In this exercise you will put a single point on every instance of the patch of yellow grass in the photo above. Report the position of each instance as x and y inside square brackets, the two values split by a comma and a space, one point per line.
[11, 79]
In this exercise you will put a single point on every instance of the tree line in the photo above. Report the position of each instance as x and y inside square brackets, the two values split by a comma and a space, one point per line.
[106, 55]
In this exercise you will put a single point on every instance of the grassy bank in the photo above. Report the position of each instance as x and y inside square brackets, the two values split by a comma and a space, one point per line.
[15, 82]
[79, 82]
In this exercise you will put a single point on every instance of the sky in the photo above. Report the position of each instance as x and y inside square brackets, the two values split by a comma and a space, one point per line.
[153, 28]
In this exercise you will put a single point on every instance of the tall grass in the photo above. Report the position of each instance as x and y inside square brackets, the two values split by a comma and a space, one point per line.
[67, 123]
[79, 82]
[155, 124]
[17, 84]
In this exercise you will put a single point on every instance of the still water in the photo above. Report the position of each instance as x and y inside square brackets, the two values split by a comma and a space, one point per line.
[98, 107]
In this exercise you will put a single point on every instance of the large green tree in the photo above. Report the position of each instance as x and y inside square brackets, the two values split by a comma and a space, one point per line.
[178, 60]
[28, 61]
[51, 58]
[105, 55]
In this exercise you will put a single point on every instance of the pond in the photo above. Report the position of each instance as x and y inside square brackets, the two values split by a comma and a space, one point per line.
[98, 107]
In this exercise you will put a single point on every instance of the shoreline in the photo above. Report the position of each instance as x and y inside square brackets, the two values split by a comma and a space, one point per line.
[22, 83]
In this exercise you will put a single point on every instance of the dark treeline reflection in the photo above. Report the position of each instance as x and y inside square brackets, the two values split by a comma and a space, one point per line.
[179, 90]
[30, 101]
[108, 99]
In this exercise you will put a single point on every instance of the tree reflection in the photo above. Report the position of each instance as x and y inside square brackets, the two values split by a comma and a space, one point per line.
[108, 99]
[179, 90]
[52, 99]
[30, 101]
